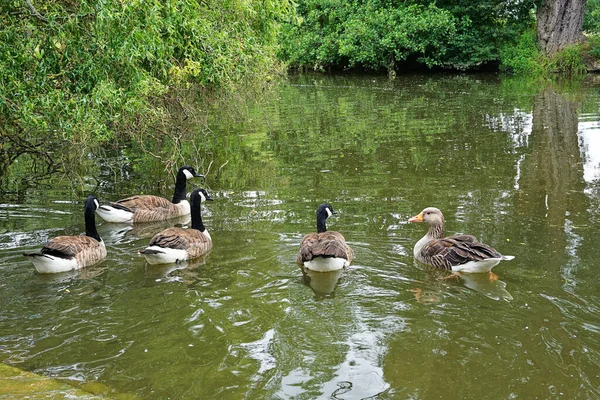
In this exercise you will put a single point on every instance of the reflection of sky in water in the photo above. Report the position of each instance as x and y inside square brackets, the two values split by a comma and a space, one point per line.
[589, 142]
[519, 125]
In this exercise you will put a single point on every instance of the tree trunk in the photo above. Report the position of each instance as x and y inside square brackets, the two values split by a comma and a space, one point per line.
[559, 24]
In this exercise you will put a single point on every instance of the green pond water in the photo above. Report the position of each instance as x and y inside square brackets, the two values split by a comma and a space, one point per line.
[515, 164]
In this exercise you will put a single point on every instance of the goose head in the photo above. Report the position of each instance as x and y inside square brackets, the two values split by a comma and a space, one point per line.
[198, 196]
[430, 216]
[189, 172]
[323, 212]
[91, 203]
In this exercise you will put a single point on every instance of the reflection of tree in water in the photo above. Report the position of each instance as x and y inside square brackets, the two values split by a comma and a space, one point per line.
[551, 184]
[42, 161]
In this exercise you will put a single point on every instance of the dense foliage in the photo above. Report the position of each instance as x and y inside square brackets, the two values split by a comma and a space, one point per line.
[591, 27]
[88, 69]
[591, 23]
[386, 34]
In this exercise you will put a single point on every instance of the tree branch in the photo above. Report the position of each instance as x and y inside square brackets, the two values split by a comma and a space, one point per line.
[34, 11]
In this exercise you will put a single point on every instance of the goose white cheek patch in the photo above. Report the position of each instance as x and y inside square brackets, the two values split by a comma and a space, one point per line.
[202, 196]
[329, 213]
[188, 174]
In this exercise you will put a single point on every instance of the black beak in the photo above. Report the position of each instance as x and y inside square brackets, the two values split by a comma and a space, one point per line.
[208, 198]
[197, 175]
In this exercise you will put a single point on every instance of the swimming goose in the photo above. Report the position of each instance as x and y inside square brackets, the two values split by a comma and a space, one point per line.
[462, 253]
[174, 245]
[148, 208]
[65, 253]
[324, 251]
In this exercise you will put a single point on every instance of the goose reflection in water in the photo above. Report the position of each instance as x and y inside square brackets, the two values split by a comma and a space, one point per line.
[119, 233]
[323, 284]
[488, 285]
[493, 288]
[187, 272]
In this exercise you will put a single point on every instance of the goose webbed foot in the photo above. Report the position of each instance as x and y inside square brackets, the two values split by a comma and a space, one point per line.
[455, 275]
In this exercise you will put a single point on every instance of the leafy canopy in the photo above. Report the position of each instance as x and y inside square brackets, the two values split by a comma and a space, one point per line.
[385, 34]
[92, 68]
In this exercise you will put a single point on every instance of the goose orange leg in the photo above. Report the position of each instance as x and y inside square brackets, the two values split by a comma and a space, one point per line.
[453, 276]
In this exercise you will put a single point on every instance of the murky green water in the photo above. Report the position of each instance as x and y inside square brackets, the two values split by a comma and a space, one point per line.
[517, 166]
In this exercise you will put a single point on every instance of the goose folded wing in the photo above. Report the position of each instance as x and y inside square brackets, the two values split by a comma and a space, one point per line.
[331, 244]
[306, 246]
[144, 202]
[69, 246]
[172, 238]
[457, 250]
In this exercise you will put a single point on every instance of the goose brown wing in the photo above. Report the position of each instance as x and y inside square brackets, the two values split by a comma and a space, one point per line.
[457, 250]
[173, 238]
[143, 202]
[177, 238]
[326, 244]
[69, 246]
[306, 245]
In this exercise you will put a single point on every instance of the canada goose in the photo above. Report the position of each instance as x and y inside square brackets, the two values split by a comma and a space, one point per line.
[462, 253]
[324, 251]
[148, 208]
[174, 245]
[65, 253]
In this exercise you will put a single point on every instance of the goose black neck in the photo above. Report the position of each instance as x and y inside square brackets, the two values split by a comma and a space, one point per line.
[321, 227]
[90, 223]
[197, 217]
[180, 184]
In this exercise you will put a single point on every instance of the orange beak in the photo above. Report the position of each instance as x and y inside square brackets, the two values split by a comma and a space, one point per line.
[417, 218]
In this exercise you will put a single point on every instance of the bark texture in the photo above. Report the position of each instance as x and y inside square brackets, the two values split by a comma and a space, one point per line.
[559, 24]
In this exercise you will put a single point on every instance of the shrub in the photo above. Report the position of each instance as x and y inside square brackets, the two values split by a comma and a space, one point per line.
[95, 70]
[568, 62]
[522, 57]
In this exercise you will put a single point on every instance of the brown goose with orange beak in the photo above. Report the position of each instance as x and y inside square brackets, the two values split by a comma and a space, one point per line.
[457, 253]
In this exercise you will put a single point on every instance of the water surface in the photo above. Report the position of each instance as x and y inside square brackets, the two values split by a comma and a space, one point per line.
[516, 165]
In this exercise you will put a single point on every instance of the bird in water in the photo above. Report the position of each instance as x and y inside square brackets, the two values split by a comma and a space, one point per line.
[174, 245]
[66, 253]
[148, 208]
[324, 250]
[457, 253]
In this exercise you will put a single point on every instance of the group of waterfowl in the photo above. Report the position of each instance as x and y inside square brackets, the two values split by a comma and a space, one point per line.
[323, 251]
[65, 253]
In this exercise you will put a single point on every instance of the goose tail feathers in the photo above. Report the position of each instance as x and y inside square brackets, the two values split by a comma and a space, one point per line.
[151, 251]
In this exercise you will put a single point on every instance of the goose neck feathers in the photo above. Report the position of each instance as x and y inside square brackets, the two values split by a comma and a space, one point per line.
[196, 199]
[186, 172]
[91, 205]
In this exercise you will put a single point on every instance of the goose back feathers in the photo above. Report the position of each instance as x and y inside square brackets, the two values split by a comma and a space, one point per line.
[458, 252]
[65, 253]
[148, 208]
[324, 250]
[174, 245]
